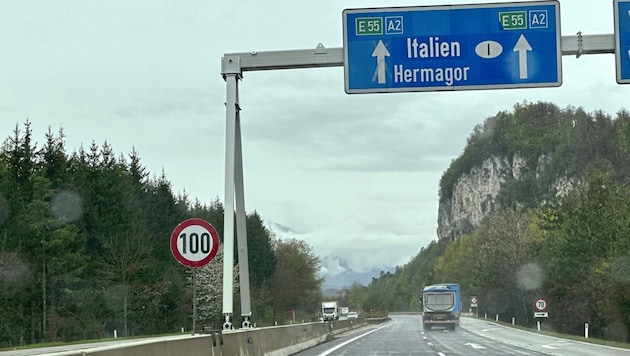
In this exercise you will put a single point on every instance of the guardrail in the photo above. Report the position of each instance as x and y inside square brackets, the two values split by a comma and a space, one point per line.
[272, 341]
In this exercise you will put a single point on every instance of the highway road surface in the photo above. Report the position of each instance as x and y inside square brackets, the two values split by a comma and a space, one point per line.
[404, 336]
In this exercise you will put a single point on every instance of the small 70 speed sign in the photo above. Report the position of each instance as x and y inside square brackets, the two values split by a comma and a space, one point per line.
[194, 243]
[540, 304]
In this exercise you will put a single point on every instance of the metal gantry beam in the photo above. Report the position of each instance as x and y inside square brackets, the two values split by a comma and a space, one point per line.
[232, 67]
[587, 44]
[321, 56]
[270, 60]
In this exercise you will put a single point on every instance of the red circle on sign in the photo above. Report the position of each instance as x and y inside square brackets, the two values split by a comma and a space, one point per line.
[541, 304]
[194, 243]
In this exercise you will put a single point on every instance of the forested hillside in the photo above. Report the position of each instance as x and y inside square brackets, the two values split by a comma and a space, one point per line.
[84, 239]
[571, 248]
[84, 250]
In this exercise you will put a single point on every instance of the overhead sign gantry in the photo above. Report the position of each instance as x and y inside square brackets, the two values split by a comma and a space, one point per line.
[454, 47]
[491, 52]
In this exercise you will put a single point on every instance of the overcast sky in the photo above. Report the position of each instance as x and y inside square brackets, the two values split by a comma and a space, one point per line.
[355, 175]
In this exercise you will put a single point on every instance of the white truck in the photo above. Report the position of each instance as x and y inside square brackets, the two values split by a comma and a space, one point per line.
[330, 311]
[343, 312]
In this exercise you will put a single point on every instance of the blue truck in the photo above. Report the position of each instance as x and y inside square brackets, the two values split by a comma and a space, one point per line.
[441, 306]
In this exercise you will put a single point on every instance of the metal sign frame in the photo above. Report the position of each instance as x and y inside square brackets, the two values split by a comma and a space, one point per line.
[232, 67]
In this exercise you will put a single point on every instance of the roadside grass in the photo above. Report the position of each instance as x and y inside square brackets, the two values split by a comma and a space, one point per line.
[92, 341]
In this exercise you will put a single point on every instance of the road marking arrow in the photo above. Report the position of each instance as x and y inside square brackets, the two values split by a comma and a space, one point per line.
[474, 346]
[522, 46]
[380, 52]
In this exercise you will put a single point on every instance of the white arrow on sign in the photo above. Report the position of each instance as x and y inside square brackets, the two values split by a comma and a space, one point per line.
[522, 46]
[380, 52]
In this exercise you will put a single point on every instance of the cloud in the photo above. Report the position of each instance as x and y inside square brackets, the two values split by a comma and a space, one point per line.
[346, 171]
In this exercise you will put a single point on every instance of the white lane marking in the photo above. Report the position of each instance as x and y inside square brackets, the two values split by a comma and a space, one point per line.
[328, 352]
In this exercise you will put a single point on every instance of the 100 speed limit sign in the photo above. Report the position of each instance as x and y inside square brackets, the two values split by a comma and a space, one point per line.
[194, 243]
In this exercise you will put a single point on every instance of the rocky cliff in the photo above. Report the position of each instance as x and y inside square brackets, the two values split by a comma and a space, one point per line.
[474, 194]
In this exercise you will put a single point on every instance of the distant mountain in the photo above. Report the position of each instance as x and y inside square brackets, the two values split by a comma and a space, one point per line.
[279, 229]
[338, 274]
[335, 270]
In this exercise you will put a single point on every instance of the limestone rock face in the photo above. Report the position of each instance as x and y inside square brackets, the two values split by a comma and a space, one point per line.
[475, 193]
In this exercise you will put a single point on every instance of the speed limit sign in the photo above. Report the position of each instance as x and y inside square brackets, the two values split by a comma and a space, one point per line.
[194, 243]
[540, 304]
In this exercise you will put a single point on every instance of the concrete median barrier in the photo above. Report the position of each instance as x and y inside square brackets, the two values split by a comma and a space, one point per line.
[268, 341]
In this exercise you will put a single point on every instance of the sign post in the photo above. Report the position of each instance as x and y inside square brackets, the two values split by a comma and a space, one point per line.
[541, 308]
[194, 243]
[622, 40]
[455, 47]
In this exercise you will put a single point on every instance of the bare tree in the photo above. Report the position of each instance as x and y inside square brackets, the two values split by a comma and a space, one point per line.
[210, 289]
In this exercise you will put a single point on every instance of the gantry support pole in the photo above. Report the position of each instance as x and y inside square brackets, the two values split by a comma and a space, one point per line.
[232, 75]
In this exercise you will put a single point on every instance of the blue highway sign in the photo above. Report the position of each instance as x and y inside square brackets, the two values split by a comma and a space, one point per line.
[456, 47]
[622, 40]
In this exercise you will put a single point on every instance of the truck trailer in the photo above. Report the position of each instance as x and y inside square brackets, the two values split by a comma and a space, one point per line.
[441, 306]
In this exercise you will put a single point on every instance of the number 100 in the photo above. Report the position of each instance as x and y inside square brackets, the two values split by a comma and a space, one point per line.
[194, 243]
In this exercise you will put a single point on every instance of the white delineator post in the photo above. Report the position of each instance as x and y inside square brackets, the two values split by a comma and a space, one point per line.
[586, 330]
